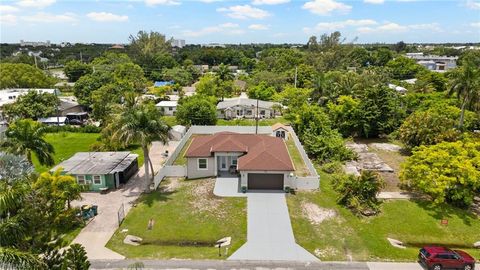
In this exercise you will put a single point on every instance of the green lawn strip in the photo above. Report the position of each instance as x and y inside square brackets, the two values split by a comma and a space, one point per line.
[300, 167]
[251, 122]
[181, 229]
[68, 236]
[416, 223]
[66, 144]
[181, 159]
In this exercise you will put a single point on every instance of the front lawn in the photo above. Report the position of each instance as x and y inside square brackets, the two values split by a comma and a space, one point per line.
[300, 167]
[188, 220]
[66, 144]
[416, 223]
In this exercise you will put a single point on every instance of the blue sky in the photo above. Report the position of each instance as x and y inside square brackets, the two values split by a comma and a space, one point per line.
[232, 21]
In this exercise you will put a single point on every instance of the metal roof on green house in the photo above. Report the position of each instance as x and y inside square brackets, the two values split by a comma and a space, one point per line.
[97, 162]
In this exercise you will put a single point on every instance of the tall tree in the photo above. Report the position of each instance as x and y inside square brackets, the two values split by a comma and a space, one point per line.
[25, 137]
[75, 69]
[23, 76]
[142, 124]
[32, 105]
[465, 82]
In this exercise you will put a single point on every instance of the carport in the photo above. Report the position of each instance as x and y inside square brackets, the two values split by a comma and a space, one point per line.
[270, 181]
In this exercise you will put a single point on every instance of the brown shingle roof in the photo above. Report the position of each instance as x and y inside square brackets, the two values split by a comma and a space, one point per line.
[262, 152]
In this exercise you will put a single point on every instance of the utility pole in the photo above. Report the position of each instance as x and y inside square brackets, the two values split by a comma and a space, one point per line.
[296, 77]
[35, 58]
[256, 120]
[81, 58]
[56, 107]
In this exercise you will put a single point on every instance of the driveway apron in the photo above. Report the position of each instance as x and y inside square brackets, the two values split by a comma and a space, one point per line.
[270, 235]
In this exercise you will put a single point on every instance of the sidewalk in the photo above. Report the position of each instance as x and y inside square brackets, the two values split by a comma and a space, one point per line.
[98, 232]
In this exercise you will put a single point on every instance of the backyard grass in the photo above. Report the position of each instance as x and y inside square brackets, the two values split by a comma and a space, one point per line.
[300, 167]
[345, 236]
[188, 220]
[66, 144]
[181, 159]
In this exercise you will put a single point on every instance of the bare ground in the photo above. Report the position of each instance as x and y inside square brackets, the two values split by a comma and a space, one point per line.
[316, 214]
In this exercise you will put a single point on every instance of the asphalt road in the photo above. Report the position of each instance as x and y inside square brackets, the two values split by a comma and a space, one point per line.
[251, 265]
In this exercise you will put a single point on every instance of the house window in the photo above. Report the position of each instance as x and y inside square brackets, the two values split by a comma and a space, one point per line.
[249, 112]
[97, 180]
[234, 161]
[239, 112]
[262, 112]
[170, 108]
[81, 179]
[202, 164]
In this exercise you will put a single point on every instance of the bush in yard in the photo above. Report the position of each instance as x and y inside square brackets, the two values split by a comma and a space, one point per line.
[448, 171]
[358, 193]
[196, 110]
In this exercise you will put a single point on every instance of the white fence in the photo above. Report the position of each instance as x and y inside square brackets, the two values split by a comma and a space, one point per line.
[306, 160]
[169, 170]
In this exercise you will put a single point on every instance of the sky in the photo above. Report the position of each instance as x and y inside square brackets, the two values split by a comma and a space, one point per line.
[241, 21]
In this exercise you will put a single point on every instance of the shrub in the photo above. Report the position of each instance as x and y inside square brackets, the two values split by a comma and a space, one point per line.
[69, 128]
[358, 193]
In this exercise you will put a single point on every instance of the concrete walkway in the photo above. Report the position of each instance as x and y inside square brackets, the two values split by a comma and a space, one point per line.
[270, 235]
[98, 232]
[228, 187]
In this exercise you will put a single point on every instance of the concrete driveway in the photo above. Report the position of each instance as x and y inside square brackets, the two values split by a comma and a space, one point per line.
[98, 232]
[228, 186]
[270, 235]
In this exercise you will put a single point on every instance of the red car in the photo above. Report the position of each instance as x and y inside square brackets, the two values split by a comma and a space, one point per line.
[437, 258]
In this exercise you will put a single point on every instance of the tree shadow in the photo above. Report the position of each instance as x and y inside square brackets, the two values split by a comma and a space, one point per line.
[160, 195]
[445, 211]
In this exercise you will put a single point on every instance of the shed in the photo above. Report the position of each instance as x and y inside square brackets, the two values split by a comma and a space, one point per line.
[177, 132]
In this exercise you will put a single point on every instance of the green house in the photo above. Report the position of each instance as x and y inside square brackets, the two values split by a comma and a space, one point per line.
[101, 170]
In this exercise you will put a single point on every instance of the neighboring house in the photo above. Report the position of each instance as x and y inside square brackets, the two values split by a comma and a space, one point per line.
[8, 96]
[3, 128]
[399, 89]
[54, 121]
[280, 131]
[100, 170]
[69, 105]
[167, 107]
[177, 132]
[434, 62]
[262, 161]
[173, 97]
[242, 107]
[189, 90]
[242, 85]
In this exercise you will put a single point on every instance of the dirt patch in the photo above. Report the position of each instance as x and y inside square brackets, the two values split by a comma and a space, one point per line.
[386, 147]
[326, 252]
[203, 199]
[172, 185]
[317, 214]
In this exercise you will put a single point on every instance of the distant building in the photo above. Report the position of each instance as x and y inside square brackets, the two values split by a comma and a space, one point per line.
[163, 83]
[434, 62]
[8, 96]
[69, 105]
[242, 107]
[399, 89]
[117, 47]
[24, 43]
[214, 45]
[168, 107]
[178, 43]
[100, 170]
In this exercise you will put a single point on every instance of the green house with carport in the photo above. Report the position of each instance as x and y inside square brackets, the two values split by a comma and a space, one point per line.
[101, 170]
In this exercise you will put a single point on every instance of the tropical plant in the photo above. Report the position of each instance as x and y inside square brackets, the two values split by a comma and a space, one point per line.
[140, 124]
[25, 137]
[197, 110]
[75, 258]
[465, 82]
[23, 76]
[58, 188]
[13, 167]
[75, 69]
[33, 105]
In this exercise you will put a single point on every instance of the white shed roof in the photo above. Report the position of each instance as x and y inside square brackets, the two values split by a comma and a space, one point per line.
[167, 103]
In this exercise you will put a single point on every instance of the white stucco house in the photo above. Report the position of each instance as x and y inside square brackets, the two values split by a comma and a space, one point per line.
[168, 107]
[243, 107]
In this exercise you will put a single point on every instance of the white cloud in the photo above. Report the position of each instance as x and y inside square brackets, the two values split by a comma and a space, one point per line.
[269, 2]
[162, 2]
[225, 28]
[326, 7]
[475, 24]
[43, 17]
[210, 1]
[107, 17]
[7, 9]
[391, 27]
[8, 19]
[35, 3]
[244, 12]
[473, 4]
[258, 27]
[332, 26]
[376, 2]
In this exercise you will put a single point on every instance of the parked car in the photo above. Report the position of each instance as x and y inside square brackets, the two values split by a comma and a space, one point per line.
[437, 258]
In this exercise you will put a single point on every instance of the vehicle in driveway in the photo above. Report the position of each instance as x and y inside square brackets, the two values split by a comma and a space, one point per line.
[438, 258]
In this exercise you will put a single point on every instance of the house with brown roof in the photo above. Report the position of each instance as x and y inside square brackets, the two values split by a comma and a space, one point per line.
[262, 161]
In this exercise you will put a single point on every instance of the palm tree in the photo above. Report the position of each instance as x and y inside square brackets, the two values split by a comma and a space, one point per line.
[224, 73]
[25, 137]
[141, 124]
[466, 84]
[11, 258]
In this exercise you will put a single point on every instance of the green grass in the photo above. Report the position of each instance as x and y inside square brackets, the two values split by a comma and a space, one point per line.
[181, 159]
[416, 223]
[68, 236]
[251, 122]
[300, 167]
[66, 144]
[188, 221]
